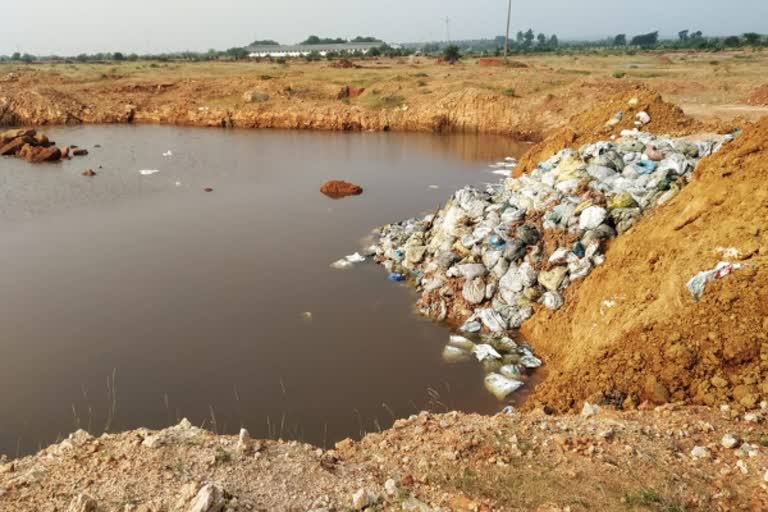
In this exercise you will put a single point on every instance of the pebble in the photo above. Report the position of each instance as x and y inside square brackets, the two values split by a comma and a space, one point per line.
[590, 410]
[363, 499]
[700, 452]
[729, 441]
[390, 486]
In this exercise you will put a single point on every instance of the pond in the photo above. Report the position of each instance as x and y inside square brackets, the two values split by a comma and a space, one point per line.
[135, 300]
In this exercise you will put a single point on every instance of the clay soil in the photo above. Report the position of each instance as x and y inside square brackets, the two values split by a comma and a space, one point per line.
[408, 94]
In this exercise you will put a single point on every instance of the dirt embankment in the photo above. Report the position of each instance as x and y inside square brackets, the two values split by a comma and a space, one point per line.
[668, 459]
[632, 332]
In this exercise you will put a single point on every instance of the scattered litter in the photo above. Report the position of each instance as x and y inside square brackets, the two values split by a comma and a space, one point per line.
[307, 315]
[697, 284]
[730, 253]
[178, 183]
[396, 277]
[642, 118]
[168, 153]
[484, 352]
[341, 264]
[355, 258]
[453, 354]
[505, 172]
[500, 386]
[434, 187]
[148, 172]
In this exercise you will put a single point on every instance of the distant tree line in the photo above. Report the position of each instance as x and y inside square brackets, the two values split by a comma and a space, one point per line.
[523, 42]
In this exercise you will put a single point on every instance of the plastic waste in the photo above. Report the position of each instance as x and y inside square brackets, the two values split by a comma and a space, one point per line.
[396, 277]
[355, 258]
[453, 354]
[697, 284]
[168, 153]
[484, 352]
[341, 264]
[500, 386]
[471, 326]
[592, 217]
[148, 172]
[645, 166]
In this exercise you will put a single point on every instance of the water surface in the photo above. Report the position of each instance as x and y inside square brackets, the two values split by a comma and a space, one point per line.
[130, 300]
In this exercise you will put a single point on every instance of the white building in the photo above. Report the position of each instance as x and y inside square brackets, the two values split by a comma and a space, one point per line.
[302, 50]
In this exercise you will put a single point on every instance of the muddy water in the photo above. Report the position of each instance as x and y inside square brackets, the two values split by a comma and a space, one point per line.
[130, 300]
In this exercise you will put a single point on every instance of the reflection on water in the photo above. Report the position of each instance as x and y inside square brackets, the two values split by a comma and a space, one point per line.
[132, 300]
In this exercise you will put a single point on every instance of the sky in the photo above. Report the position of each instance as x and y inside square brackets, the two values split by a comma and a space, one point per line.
[70, 27]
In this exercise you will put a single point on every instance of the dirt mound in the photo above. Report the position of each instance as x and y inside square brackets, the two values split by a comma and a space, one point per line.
[496, 62]
[344, 64]
[632, 332]
[759, 96]
[593, 124]
[336, 189]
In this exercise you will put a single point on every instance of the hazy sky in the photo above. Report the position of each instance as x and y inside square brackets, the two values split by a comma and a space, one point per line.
[74, 26]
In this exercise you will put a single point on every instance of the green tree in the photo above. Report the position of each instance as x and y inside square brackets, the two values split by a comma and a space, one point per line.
[28, 58]
[683, 35]
[647, 40]
[542, 39]
[554, 42]
[752, 38]
[360, 39]
[529, 37]
[732, 41]
[374, 52]
[452, 54]
[237, 53]
[620, 40]
[118, 56]
[16, 56]
[265, 42]
[520, 38]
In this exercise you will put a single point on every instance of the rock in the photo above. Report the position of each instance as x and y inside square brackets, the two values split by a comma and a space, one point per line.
[552, 279]
[414, 505]
[654, 154]
[492, 320]
[80, 152]
[337, 189]
[415, 253]
[474, 290]
[590, 410]
[210, 498]
[729, 441]
[700, 452]
[244, 442]
[181, 433]
[14, 146]
[35, 155]
[390, 487]
[255, 96]
[9, 135]
[88, 172]
[552, 301]
[82, 503]
[363, 499]
[592, 217]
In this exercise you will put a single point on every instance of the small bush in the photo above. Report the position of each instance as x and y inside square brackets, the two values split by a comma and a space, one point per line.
[510, 92]
[619, 74]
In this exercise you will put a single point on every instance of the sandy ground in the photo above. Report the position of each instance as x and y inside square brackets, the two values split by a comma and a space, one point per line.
[406, 94]
[667, 459]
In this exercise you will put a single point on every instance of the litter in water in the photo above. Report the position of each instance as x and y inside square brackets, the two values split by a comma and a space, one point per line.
[148, 172]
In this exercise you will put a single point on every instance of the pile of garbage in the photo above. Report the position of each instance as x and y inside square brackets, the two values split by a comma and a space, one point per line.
[488, 258]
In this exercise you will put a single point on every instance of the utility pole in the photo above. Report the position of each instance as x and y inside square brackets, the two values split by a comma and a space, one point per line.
[448, 29]
[506, 39]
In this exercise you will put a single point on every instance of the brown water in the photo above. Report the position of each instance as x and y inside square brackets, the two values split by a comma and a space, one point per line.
[130, 300]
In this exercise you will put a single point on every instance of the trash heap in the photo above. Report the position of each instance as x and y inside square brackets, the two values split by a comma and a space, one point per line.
[488, 258]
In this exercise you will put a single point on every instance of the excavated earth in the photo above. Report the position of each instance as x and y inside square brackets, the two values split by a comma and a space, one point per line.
[675, 388]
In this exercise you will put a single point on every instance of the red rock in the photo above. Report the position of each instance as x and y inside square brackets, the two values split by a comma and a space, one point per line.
[336, 189]
[9, 135]
[15, 146]
[38, 154]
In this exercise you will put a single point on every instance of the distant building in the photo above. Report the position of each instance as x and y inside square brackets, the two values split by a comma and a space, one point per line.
[302, 50]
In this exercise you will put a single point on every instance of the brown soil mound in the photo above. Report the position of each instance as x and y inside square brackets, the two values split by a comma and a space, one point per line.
[496, 62]
[632, 332]
[337, 189]
[590, 126]
[759, 96]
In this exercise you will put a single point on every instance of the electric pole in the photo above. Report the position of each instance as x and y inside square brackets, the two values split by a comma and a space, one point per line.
[506, 39]
[448, 29]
